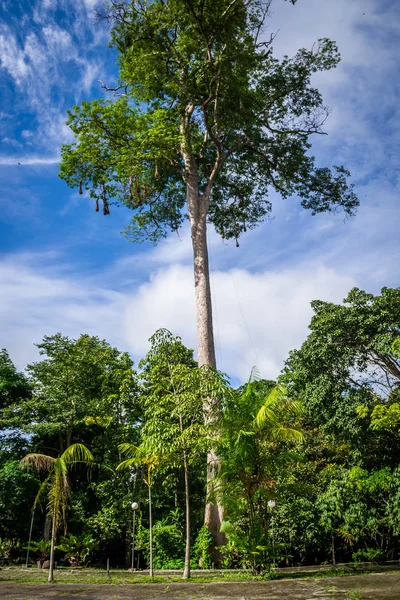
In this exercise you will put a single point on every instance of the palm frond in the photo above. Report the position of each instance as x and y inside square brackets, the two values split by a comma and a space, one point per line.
[287, 434]
[126, 464]
[39, 462]
[128, 449]
[41, 491]
[77, 453]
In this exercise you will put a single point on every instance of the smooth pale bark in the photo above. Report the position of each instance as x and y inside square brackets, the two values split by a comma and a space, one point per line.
[198, 204]
[53, 538]
[206, 356]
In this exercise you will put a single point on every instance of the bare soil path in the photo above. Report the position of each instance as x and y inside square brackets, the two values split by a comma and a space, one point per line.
[382, 586]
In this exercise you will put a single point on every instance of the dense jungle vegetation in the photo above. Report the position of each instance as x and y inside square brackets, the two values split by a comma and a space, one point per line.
[322, 442]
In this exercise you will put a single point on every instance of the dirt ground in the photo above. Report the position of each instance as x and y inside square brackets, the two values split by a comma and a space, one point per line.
[372, 587]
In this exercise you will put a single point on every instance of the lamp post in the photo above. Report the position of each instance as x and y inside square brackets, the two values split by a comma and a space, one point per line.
[135, 506]
[271, 505]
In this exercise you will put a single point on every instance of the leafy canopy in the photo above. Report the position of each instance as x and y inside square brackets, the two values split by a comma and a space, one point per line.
[202, 104]
[349, 359]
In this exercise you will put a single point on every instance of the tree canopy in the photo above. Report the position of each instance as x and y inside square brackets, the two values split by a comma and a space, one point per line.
[201, 101]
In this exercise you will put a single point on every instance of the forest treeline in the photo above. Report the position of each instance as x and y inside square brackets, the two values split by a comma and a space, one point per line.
[310, 462]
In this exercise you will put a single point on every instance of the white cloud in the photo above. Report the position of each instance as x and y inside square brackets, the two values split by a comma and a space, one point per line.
[49, 65]
[258, 317]
[39, 299]
[11, 56]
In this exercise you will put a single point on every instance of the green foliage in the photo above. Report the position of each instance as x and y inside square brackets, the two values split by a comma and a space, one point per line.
[367, 554]
[358, 506]
[17, 494]
[334, 490]
[42, 549]
[168, 541]
[83, 382]
[56, 483]
[77, 547]
[258, 435]
[194, 79]
[201, 549]
[14, 386]
[348, 360]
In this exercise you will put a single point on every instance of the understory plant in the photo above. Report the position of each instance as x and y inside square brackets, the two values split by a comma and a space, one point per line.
[77, 548]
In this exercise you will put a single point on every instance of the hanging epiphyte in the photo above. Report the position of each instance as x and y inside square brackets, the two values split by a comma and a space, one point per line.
[80, 188]
[97, 205]
[106, 209]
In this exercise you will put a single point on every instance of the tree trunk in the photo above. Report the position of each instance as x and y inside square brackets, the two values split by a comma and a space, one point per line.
[206, 356]
[53, 538]
[186, 572]
[204, 322]
[198, 205]
[47, 528]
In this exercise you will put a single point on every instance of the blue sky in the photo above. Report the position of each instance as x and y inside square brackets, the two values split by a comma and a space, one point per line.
[65, 268]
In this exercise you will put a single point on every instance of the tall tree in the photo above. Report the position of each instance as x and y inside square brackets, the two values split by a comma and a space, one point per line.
[206, 122]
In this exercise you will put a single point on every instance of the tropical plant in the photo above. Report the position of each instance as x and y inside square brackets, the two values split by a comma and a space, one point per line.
[57, 485]
[257, 433]
[77, 547]
[78, 384]
[14, 386]
[42, 549]
[349, 359]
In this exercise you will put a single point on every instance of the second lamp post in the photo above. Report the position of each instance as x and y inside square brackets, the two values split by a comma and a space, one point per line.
[135, 506]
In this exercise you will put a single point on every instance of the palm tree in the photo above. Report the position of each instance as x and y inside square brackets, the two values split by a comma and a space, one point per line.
[57, 485]
[258, 420]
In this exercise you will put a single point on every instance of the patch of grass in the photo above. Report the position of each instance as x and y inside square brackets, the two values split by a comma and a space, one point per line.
[355, 595]
[118, 576]
[331, 589]
[337, 572]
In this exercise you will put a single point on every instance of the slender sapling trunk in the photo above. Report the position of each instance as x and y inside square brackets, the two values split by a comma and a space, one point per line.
[53, 538]
[151, 534]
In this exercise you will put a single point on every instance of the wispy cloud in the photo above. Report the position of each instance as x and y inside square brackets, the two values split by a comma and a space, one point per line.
[51, 64]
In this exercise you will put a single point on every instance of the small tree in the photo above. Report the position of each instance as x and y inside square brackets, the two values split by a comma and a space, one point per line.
[140, 456]
[174, 394]
[57, 485]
